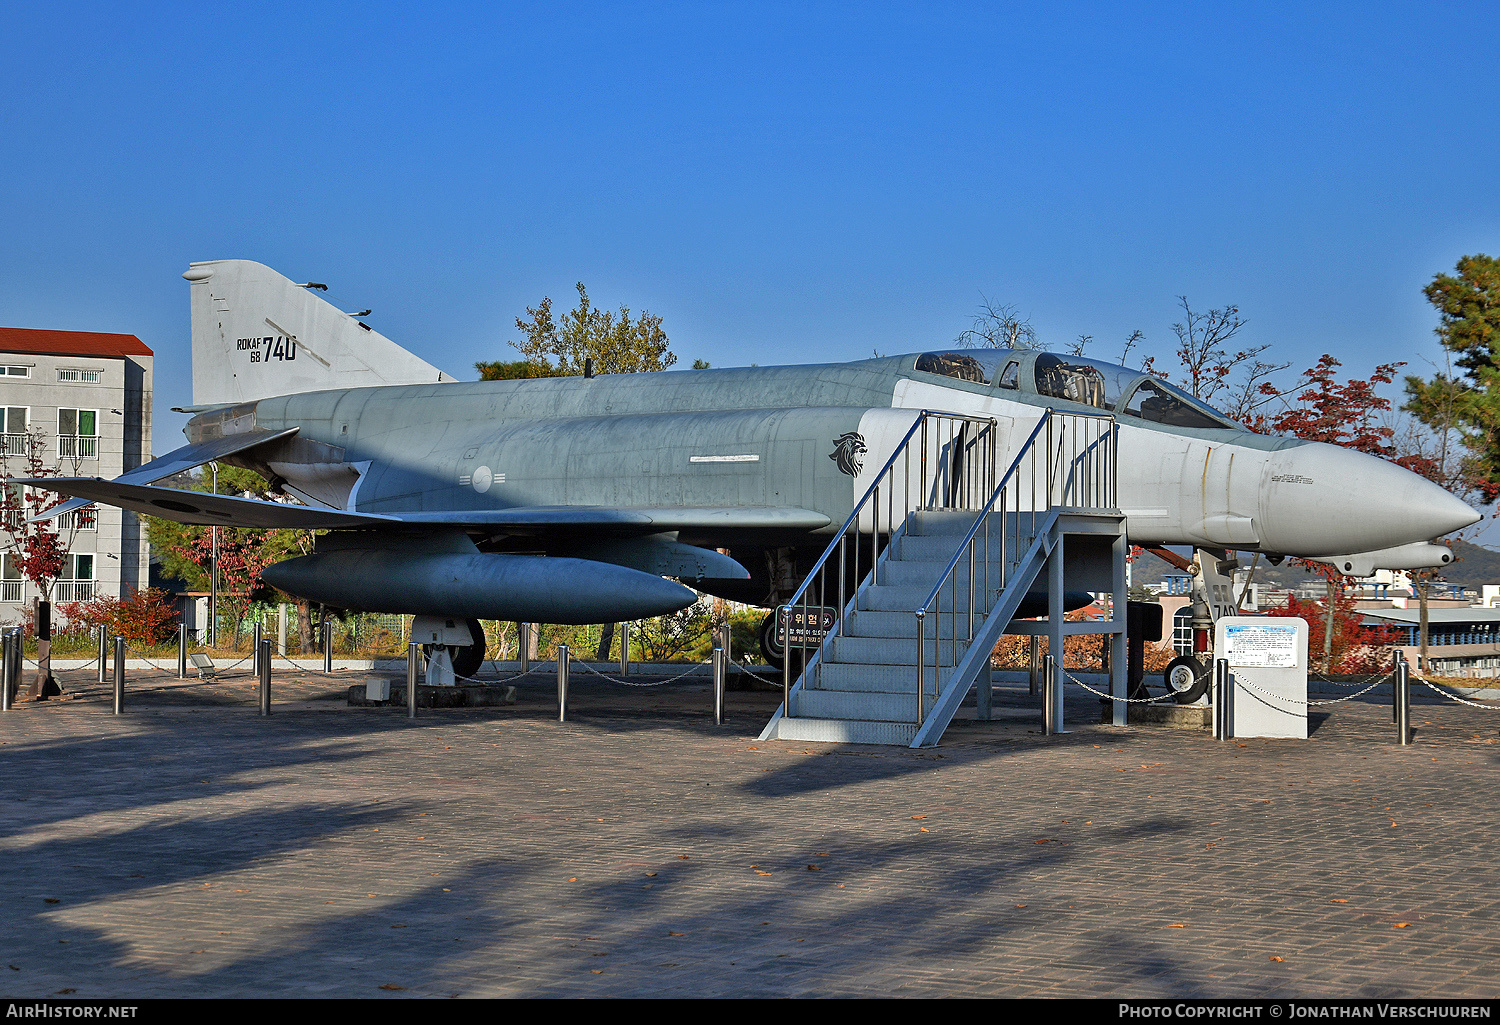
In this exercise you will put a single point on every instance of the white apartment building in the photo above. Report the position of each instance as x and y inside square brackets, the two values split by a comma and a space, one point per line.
[83, 400]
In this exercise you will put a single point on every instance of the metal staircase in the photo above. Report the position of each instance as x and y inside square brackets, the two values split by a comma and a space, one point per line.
[893, 663]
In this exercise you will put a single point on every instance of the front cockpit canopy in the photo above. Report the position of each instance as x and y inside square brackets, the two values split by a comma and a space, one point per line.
[1088, 382]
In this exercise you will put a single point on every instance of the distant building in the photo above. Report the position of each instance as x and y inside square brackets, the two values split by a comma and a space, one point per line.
[86, 399]
[1460, 641]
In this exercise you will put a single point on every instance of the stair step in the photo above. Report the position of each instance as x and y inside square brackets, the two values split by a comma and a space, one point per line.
[901, 573]
[940, 547]
[882, 706]
[889, 598]
[845, 731]
[872, 623]
[944, 521]
[883, 679]
[892, 650]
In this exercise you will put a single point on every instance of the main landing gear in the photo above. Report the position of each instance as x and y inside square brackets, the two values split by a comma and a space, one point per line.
[463, 660]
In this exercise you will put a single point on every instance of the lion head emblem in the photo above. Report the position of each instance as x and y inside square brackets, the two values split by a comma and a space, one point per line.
[847, 450]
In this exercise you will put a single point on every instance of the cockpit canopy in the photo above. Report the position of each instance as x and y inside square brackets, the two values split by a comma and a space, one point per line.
[1077, 379]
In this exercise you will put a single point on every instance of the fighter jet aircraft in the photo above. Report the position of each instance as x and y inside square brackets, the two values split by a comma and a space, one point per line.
[573, 500]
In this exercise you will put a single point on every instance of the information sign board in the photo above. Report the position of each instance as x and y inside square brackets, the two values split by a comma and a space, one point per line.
[1266, 644]
[804, 625]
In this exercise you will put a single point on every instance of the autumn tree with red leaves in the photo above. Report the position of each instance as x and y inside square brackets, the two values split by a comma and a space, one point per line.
[243, 553]
[1354, 648]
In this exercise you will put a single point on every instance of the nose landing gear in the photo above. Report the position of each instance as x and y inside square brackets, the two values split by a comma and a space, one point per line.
[1187, 679]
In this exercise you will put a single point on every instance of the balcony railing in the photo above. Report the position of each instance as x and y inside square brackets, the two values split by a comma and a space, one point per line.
[83, 519]
[77, 446]
[14, 444]
[12, 591]
[72, 590]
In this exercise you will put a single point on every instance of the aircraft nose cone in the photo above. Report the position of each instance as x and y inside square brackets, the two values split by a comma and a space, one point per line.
[1320, 499]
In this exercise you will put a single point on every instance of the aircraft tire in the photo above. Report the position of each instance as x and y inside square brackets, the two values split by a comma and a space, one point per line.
[468, 659]
[1186, 679]
[770, 648]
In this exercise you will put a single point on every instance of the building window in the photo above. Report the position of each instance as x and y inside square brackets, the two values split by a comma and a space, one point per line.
[13, 424]
[77, 580]
[1182, 630]
[12, 586]
[17, 371]
[78, 433]
[81, 376]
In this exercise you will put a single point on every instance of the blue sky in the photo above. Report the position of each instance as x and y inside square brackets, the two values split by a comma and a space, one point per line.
[780, 183]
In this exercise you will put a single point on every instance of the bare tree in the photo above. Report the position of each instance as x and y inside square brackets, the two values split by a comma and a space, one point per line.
[1208, 365]
[997, 327]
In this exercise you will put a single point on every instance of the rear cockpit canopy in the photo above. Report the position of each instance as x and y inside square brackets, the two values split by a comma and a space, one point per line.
[1076, 379]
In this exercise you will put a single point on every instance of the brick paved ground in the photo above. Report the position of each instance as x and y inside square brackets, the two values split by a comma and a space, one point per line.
[191, 847]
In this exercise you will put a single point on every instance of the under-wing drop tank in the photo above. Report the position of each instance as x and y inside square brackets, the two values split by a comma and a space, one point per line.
[448, 576]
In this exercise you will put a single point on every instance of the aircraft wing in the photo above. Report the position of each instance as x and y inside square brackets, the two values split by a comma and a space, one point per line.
[652, 520]
[226, 510]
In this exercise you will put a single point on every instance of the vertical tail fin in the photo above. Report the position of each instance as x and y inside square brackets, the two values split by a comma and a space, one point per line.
[258, 334]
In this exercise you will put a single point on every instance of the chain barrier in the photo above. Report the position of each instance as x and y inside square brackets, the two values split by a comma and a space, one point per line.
[1377, 681]
[1263, 697]
[629, 683]
[1455, 697]
[1378, 677]
[1389, 677]
[1110, 697]
[71, 669]
[150, 663]
[775, 682]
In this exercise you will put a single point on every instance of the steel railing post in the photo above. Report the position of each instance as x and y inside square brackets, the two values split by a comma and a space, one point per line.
[1395, 672]
[924, 464]
[17, 656]
[843, 575]
[327, 645]
[922, 663]
[255, 649]
[263, 670]
[624, 649]
[1049, 711]
[1036, 662]
[7, 643]
[17, 660]
[1403, 703]
[1221, 699]
[119, 675]
[562, 683]
[718, 666]
[182, 647]
[413, 658]
[103, 653]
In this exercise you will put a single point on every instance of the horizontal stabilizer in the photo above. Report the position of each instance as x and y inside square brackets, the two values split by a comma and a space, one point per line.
[203, 508]
[174, 462]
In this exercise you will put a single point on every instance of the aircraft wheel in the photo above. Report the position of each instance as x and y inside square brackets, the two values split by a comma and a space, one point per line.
[1187, 679]
[468, 659]
[770, 645]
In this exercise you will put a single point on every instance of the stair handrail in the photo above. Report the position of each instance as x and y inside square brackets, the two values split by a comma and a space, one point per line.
[871, 498]
[1105, 484]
